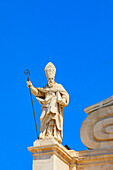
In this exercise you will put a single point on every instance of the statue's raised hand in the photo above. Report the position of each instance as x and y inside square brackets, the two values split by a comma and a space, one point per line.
[29, 83]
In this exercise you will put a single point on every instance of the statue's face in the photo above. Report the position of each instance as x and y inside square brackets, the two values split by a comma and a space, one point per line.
[50, 82]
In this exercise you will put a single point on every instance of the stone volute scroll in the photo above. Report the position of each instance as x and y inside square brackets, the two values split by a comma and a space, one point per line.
[97, 128]
[52, 97]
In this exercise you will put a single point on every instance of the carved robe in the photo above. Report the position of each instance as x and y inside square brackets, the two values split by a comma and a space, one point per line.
[52, 101]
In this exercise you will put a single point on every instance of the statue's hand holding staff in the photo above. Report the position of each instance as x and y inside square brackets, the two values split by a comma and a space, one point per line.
[29, 83]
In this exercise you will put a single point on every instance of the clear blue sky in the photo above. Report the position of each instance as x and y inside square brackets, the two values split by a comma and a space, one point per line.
[77, 36]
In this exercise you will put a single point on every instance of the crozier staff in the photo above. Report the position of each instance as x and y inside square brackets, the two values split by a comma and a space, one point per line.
[53, 97]
[27, 72]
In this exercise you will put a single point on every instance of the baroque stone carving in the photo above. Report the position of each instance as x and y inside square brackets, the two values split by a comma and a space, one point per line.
[97, 128]
[53, 97]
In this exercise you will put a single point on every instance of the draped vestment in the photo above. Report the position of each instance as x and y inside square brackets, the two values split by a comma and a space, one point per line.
[52, 110]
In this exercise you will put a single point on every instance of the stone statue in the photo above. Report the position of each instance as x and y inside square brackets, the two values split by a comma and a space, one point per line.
[53, 97]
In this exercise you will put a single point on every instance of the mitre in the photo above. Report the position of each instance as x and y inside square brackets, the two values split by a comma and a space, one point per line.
[50, 70]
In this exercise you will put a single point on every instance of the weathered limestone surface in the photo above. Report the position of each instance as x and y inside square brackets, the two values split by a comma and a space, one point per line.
[48, 154]
[97, 128]
[99, 159]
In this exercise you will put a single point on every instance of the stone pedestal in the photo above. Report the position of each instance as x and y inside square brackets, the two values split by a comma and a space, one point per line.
[48, 154]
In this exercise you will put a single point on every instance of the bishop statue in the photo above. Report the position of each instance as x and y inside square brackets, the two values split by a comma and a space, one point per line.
[52, 97]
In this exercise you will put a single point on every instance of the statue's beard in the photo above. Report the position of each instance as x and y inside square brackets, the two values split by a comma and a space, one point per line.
[50, 84]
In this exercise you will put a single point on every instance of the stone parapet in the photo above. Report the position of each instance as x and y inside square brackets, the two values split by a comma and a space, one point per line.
[99, 159]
